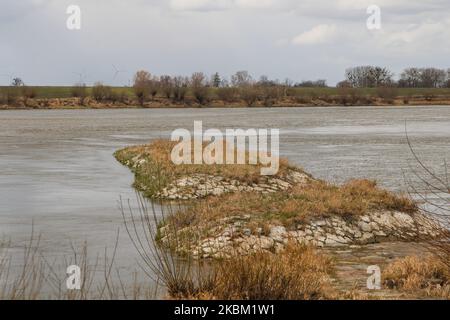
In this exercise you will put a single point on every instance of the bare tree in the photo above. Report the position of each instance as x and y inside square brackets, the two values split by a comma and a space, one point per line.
[369, 76]
[241, 79]
[432, 78]
[199, 87]
[141, 86]
[166, 85]
[410, 78]
[180, 88]
[423, 78]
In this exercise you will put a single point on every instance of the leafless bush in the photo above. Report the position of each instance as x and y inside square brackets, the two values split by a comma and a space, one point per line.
[227, 94]
[250, 94]
[9, 95]
[101, 93]
[28, 93]
[159, 263]
[80, 91]
[180, 87]
[199, 87]
[270, 95]
[39, 278]
[166, 86]
[141, 86]
[301, 97]
[433, 190]
[387, 93]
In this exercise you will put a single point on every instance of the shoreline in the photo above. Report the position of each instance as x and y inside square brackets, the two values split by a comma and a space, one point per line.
[434, 105]
[163, 103]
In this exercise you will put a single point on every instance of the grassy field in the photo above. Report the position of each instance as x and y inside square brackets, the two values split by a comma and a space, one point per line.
[66, 92]
[47, 92]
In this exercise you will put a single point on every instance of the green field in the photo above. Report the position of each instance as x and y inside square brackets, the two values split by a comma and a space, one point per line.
[47, 92]
[66, 92]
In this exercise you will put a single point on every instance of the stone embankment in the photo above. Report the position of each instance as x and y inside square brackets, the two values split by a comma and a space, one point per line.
[233, 237]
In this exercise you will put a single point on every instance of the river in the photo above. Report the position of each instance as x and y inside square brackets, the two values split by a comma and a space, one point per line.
[58, 173]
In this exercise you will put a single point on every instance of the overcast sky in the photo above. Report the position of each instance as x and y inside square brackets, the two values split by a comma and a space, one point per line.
[301, 40]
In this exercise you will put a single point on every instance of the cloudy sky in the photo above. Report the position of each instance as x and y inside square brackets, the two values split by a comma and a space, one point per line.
[308, 39]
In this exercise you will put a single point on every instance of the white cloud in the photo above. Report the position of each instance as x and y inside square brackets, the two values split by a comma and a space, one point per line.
[182, 36]
[254, 3]
[319, 34]
[207, 5]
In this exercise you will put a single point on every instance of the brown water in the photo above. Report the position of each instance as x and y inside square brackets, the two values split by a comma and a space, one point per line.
[57, 168]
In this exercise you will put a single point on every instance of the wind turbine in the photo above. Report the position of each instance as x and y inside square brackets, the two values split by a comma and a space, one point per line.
[81, 75]
[117, 72]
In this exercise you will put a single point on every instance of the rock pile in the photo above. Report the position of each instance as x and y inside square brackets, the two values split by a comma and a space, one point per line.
[234, 237]
[202, 185]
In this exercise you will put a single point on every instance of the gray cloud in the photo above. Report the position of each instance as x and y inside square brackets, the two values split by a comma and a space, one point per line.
[281, 38]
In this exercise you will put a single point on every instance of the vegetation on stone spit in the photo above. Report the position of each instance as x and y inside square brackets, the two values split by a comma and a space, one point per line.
[154, 169]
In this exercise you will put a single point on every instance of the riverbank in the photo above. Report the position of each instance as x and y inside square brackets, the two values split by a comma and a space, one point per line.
[298, 97]
[234, 223]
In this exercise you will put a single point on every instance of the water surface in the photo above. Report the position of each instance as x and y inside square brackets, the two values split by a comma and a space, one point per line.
[57, 168]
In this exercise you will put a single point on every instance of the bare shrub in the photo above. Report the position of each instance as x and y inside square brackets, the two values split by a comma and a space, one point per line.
[101, 93]
[302, 98]
[434, 191]
[270, 95]
[80, 91]
[228, 94]
[27, 94]
[199, 88]
[166, 86]
[180, 87]
[141, 86]
[250, 94]
[36, 277]
[387, 93]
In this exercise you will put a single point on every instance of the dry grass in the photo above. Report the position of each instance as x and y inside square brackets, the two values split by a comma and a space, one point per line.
[297, 273]
[317, 199]
[427, 275]
[159, 171]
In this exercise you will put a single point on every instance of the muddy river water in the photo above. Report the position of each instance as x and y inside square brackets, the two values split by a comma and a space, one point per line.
[57, 171]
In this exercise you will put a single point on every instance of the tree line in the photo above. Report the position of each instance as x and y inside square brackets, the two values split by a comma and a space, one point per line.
[374, 76]
[243, 87]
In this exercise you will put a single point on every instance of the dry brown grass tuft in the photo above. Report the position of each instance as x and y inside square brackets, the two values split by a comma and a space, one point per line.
[413, 273]
[297, 273]
[317, 199]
